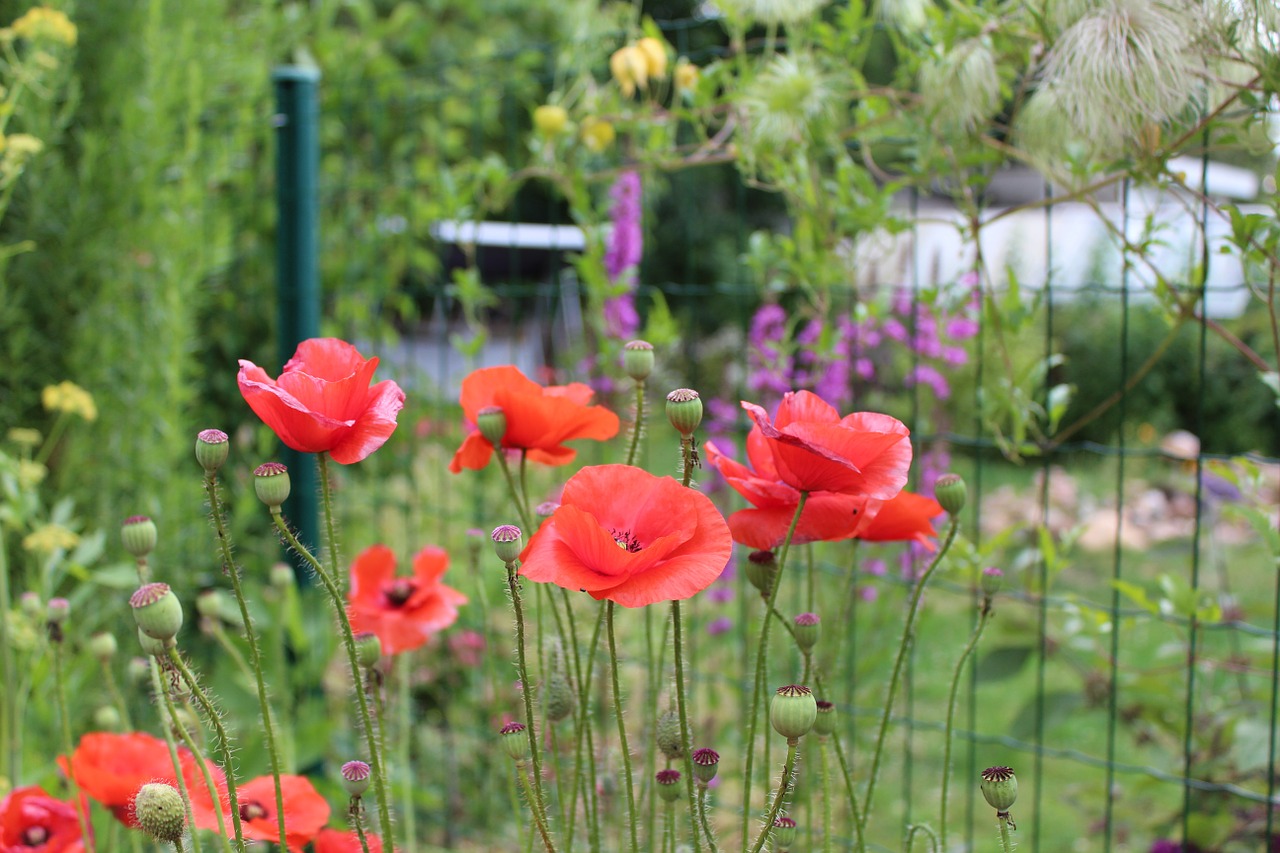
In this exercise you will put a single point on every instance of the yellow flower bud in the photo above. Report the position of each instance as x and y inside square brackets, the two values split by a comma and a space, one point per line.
[630, 67]
[655, 55]
[597, 134]
[550, 120]
[686, 76]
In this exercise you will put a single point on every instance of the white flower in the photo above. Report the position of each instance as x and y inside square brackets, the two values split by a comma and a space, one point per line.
[785, 99]
[909, 16]
[961, 88]
[772, 11]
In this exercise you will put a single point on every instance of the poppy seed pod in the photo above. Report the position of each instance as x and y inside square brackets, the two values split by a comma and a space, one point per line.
[784, 832]
[761, 569]
[992, 580]
[159, 810]
[999, 787]
[668, 785]
[57, 611]
[106, 718]
[793, 711]
[508, 542]
[515, 742]
[355, 778]
[271, 482]
[667, 735]
[824, 725]
[212, 449]
[157, 611]
[684, 410]
[492, 423]
[808, 627]
[951, 492]
[705, 764]
[102, 646]
[637, 359]
[138, 535]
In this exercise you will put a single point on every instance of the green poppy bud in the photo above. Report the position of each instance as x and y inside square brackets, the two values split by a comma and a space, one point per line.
[271, 482]
[492, 423]
[824, 725]
[138, 535]
[57, 611]
[159, 810]
[102, 646]
[793, 711]
[355, 778]
[684, 410]
[212, 449]
[157, 611]
[1000, 787]
[762, 568]
[951, 492]
[515, 741]
[705, 764]
[368, 649]
[992, 580]
[283, 576]
[559, 695]
[668, 785]
[31, 604]
[667, 735]
[784, 832]
[808, 627]
[106, 718]
[637, 359]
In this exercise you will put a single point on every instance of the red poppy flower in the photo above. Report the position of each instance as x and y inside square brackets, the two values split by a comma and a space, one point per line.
[335, 841]
[623, 534]
[305, 811]
[816, 450]
[110, 768]
[539, 419]
[323, 401]
[906, 517]
[31, 821]
[403, 612]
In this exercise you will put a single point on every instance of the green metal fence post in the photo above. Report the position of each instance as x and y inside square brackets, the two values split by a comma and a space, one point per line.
[297, 272]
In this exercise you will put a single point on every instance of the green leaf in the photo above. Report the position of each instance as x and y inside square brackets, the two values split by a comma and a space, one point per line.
[1005, 662]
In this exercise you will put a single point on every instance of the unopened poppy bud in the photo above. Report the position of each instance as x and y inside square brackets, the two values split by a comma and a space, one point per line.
[992, 580]
[667, 735]
[999, 787]
[106, 718]
[271, 482]
[762, 567]
[209, 604]
[355, 778]
[684, 410]
[637, 359]
[138, 671]
[508, 542]
[57, 611]
[103, 646]
[824, 724]
[157, 611]
[31, 604]
[808, 627]
[515, 741]
[951, 492]
[793, 711]
[550, 119]
[705, 764]
[368, 649]
[159, 811]
[668, 785]
[212, 448]
[559, 695]
[492, 423]
[784, 832]
[138, 535]
[283, 576]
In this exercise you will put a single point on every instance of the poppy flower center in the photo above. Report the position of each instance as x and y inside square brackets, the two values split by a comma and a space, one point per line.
[400, 592]
[35, 836]
[252, 811]
[627, 541]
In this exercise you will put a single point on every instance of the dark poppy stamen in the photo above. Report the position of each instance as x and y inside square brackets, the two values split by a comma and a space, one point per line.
[35, 836]
[626, 541]
[400, 592]
[252, 811]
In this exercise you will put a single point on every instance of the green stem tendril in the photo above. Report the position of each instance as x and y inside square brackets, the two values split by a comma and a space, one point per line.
[784, 786]
[64, 715]
[255, 651]
[224, 742]
[983, 617]
[536, 799]
[908, 632]
[176, 725]
[622, 729]
[353, 660]
[762, 647]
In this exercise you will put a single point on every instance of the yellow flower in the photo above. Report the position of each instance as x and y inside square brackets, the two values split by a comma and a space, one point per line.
[71, 398]
[30, 474]
[24, 145]
[49, 538]
[25, 437]
[630, 67]
[42, 22]
[597, 134]
[550, 120]
[655, 56]
[686, 76]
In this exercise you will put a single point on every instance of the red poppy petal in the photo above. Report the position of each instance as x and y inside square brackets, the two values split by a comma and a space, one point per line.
[373, 568]
[342, 398]
[374, 425]
[575, 392]
[907, 516]
[804, 407]
[331, 359]
[552, 455]
[829, 457]
[481, 387]
[430, 564]
[334, 841]
[473, 454]
[572, 550]
[827, 517]
[759, 491]
[295, 425]
[760, 456]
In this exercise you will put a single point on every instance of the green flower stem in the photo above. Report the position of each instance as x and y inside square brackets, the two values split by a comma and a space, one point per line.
[784, 785]
[686, 743]
[848, 787]
[537, 801]
[908, 632]
[224, 743]
[983, 617]
[353, 661]
[637, 427]
[1006, 843]
[762, 650]
[826, 795]
[8, 709]
[113, 687]
[358, 823]
[669, 830]
[516, 497]
[64, 715]
[688, 460]
[584, 702]
[929, 833]
[702, 815]
[655, 679]
[580, 710]
[404, 712]
[176, 725]
[622, 729]
[539, 816]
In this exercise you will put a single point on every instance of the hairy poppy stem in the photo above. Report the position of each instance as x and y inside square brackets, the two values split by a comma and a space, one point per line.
[176, 725]
[59, 681]
[1006, 843]
[220, 731]
[255, 651]
[983, 617]
[908, 632]
[686, 744]
[404, 712]
[638, 425]
[784, 786]
[516, 497]
[762, 650]
[356, 821]
[622, 729]
[353, 660]
[826, 795]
